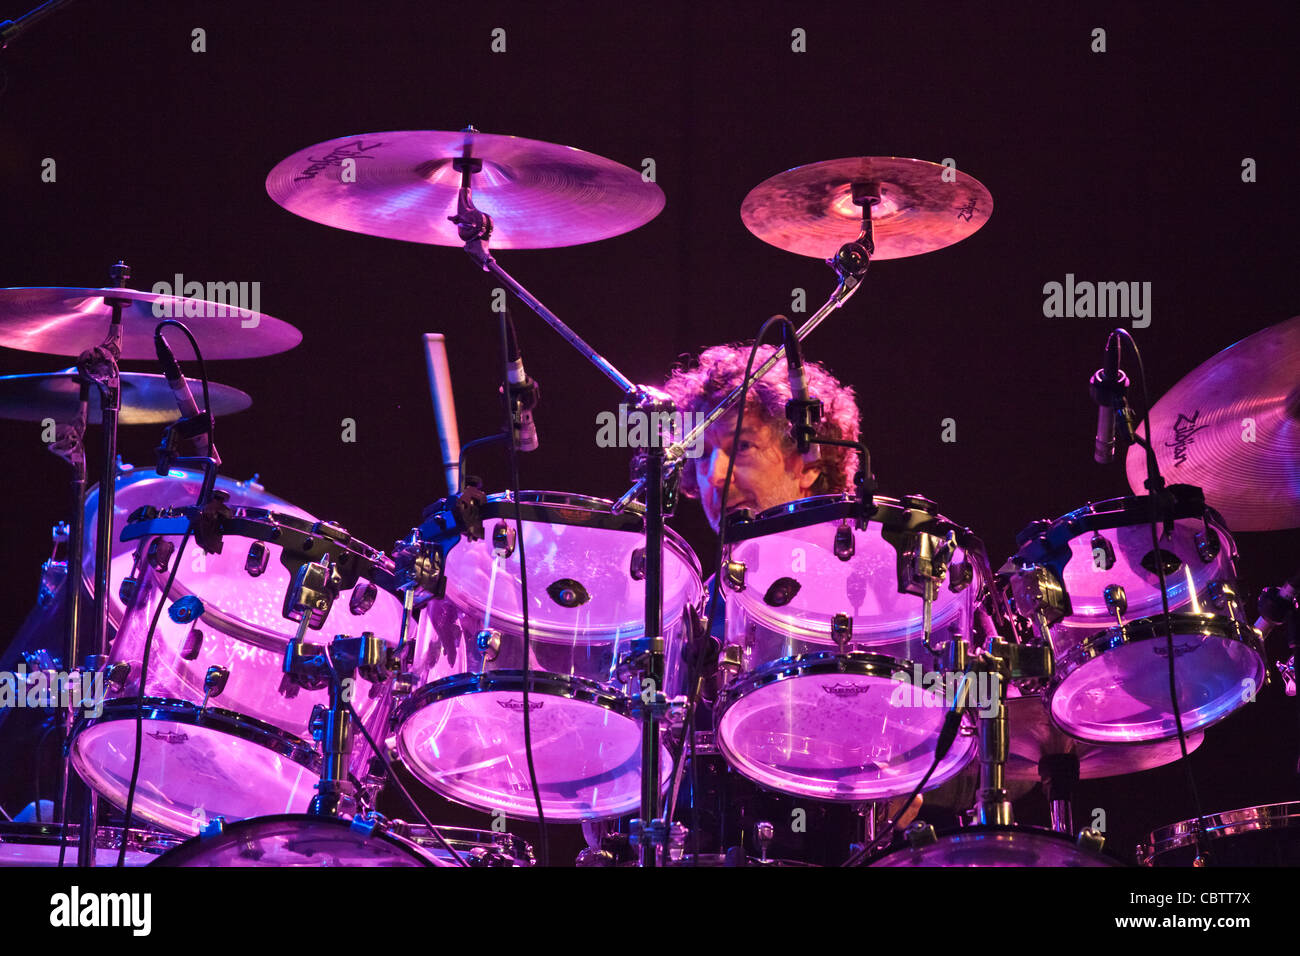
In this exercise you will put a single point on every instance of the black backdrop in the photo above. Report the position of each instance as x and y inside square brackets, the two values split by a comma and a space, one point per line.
[1122, 165]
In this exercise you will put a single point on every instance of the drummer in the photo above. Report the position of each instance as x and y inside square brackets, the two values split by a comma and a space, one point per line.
[769, 470]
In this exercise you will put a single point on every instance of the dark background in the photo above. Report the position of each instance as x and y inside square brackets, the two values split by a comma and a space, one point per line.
[1123, 165]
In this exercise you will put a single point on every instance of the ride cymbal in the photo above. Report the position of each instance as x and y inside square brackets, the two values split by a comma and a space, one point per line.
[147, 399]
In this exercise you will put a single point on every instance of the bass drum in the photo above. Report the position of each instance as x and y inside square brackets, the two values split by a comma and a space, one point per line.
[298, 840]
[996, 846]
[462, 731]
[1267, 835]
[240, 747]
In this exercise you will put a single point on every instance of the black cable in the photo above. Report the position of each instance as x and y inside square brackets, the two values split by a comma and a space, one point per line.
[544, 849]
[139, 702]
[460, 466]
[203, 370]
[1155, 488]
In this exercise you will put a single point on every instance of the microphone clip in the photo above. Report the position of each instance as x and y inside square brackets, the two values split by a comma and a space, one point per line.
[804, 415]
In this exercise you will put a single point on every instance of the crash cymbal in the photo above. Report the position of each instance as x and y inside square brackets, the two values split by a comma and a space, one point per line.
[146, 399]
[538, 194]
[809, 210]
[1232, 427]
[60, 321]
[1034, 736]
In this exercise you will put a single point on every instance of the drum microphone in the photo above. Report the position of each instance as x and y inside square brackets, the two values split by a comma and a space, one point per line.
[802, 411]
[184, 397]
[521, 392]
[1276, 603]
[1107, 386]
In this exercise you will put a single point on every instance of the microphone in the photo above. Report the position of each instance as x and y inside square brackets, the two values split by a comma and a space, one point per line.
[184, 397]
[1107, 386]
[521, 393]
[1276, 603]
[802, 411]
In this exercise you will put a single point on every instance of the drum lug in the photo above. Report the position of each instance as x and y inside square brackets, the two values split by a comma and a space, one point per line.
[960, 576]
[1222, 596]
[1116, 602]
[842, 631]
[920, 834]
[363, 598]
[503, 539]
[488, 642]
[193, 643]
[637, 565]
[730, 662]
[1037, 592]
[1208, 544]
[733, 575]
[1103, 552]
[160, 554]
[1090, 839]
[259, 555]
[845, 544]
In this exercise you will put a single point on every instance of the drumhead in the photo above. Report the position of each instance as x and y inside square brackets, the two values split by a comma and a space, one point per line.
[568, 540]
[997, 846]
[841, 727]
[297, 840]
[464, 737]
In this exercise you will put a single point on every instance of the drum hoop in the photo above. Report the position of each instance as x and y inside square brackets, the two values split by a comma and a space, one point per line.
[466, 839]
[575, 510]
[1152, 628]
[511, 680]
[997, 833]
[233, 832]
[213, 718]
[109, 838]
[824, 509]
[1265, 816]
[855, 663]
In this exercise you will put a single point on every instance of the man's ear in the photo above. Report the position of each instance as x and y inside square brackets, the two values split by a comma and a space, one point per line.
[809, 477]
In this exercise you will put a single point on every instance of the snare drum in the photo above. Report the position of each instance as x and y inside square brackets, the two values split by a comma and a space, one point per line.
[989, 845]
[37, 844]
[1110, 643]
[461, 732]
[246, 751]
[1267, 835]
[837, 696]
[299, 840]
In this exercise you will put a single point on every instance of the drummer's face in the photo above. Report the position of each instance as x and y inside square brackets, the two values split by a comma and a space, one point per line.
[768, 470]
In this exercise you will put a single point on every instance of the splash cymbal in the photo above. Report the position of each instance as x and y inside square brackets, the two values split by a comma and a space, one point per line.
[809, 210]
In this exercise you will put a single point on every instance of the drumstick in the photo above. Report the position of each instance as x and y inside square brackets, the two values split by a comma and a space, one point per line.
[444, 406]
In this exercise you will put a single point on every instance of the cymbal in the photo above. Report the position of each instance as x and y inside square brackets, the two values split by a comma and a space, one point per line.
[67, 321]
[1034, 736]
[809, 210]
[539, 195]
[147, 399]
[1232, 427]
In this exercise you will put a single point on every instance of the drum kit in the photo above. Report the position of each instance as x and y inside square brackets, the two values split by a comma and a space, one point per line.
[548, 655]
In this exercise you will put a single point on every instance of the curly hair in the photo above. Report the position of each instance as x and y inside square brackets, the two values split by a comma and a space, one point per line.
[697, 385]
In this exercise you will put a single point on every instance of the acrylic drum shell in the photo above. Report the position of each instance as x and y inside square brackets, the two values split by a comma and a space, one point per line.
[585, 737]
[249, 751]
[1110, 682]
[298, 840]
[789, 653]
